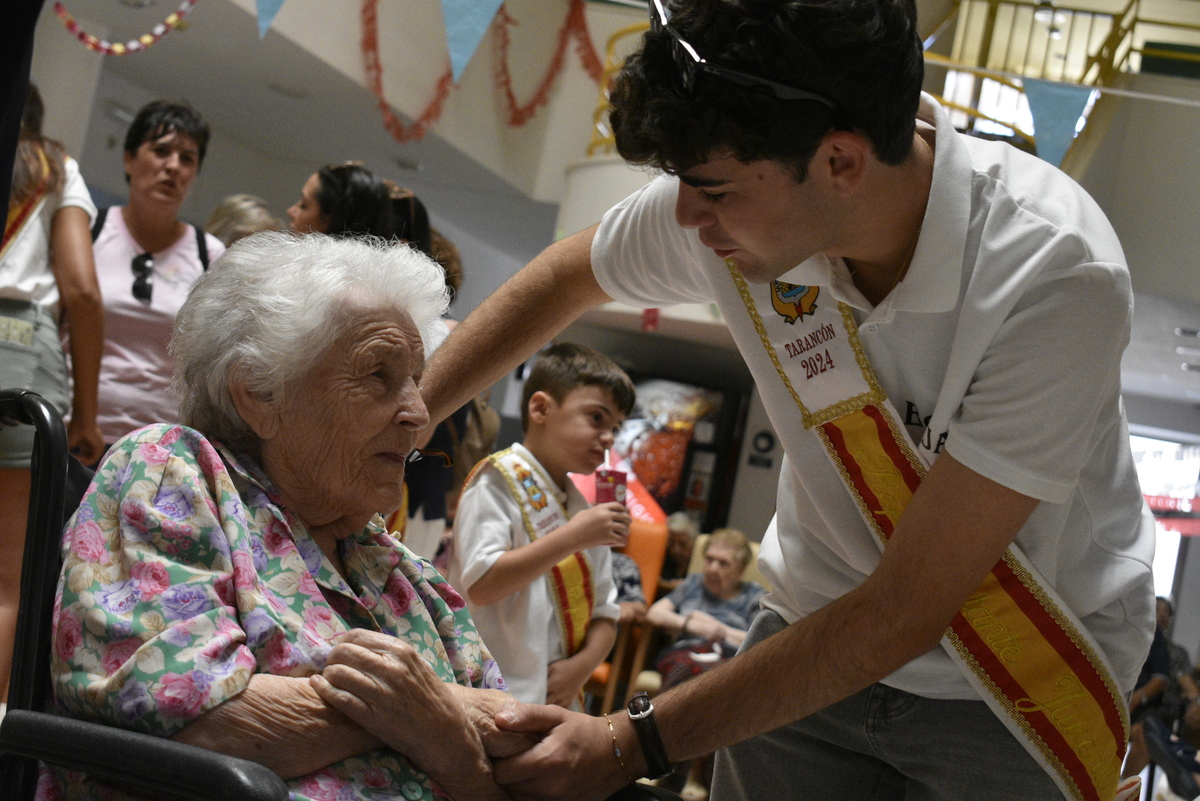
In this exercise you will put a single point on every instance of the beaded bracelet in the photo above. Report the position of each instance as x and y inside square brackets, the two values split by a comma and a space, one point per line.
[617, 748]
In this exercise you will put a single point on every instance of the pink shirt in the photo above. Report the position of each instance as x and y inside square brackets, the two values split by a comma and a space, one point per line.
[135, 372]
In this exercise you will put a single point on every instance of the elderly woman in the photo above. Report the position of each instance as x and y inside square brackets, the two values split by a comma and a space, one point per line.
[710, 612]
[228, 583]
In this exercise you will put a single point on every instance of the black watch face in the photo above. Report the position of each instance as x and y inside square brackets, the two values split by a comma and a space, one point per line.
[639, 704]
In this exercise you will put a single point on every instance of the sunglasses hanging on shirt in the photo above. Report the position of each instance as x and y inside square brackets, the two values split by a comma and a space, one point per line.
[143, 276]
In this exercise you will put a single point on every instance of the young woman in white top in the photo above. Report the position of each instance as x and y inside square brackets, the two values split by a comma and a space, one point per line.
[46, 277]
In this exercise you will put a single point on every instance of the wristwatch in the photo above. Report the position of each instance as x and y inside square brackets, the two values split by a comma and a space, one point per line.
[641, 714]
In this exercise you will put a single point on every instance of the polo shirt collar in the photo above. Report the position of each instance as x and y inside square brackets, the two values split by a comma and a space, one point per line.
[932, 283]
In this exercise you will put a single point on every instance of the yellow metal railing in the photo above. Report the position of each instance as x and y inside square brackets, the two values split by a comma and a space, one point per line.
[602, 138]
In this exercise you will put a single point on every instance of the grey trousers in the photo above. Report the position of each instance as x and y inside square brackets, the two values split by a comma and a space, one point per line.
[881, 744]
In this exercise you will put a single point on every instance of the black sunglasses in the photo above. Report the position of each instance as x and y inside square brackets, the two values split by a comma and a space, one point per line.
[143, 276]
[690, 64]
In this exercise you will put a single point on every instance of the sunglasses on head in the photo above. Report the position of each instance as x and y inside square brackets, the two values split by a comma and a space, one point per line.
[143, 276]
[691, 64]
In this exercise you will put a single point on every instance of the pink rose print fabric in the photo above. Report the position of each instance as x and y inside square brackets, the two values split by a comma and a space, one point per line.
[183, 577]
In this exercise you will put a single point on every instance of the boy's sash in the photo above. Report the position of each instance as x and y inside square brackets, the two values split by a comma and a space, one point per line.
[1016, 642]
[19, 214]
[571, 583]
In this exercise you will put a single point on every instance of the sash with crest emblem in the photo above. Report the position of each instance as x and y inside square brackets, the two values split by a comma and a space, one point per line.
[571, 583]
[1031, 660]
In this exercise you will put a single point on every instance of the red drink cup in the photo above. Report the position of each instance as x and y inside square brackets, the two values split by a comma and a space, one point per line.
[610, 485]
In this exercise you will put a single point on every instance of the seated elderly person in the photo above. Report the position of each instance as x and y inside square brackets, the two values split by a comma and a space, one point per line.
[710, 612]
[228, 583]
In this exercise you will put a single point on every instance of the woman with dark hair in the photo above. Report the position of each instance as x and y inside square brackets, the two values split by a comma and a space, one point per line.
[422, 520]
[46, 276]
[343, 200]
[147, 260]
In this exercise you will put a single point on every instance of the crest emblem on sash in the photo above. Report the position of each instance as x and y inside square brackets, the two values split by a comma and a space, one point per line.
[793, 302]
[537, 498]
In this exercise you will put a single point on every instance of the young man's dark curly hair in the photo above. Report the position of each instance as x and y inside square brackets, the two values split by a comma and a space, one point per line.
[864, 55]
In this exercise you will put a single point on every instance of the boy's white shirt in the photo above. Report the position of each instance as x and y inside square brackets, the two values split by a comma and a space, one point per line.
[521, 630]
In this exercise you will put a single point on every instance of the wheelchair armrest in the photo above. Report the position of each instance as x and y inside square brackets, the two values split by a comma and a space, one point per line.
[137, 759]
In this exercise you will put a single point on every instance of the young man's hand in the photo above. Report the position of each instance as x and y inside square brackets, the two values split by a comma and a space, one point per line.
[603, 524]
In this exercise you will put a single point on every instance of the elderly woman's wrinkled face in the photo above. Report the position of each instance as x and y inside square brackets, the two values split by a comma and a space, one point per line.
[680, 545]
[343, 439]
[722, 571]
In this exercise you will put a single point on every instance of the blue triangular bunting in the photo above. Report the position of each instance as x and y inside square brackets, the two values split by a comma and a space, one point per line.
[1056, 108]
[267, 9]
[466, 23]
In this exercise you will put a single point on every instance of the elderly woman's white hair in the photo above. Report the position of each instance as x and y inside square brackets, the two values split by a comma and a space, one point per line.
[271, 307]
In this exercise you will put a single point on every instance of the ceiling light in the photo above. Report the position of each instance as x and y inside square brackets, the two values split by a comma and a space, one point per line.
[290, 92]
[1184, 350]
[1189, 367]
[118, 112]
[409, 166]
[1045, 13]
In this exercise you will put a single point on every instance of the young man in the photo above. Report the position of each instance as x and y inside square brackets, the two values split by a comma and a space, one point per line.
[533, 560]
[860, 249]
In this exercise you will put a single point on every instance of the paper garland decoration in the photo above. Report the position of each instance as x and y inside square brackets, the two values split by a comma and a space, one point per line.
[133, 45]
[517, 114]
[1056, 108]
[466, 23]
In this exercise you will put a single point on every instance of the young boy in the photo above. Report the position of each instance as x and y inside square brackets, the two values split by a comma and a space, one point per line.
[531, 558]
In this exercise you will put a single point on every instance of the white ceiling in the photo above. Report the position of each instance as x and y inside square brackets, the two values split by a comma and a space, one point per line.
[319, 117]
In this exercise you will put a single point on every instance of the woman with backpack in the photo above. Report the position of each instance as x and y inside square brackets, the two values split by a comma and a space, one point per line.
[147, 260]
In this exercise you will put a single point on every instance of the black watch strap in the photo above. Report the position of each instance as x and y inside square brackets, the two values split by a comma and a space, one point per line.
[641, 714]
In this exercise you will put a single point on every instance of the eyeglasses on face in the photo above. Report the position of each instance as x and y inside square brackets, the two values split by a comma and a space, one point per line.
[690, 64]
[143, 276]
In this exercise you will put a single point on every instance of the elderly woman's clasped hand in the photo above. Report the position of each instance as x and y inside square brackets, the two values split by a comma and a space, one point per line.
[381, 684]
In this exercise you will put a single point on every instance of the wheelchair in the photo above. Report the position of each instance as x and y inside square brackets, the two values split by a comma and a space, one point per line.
[30, 733]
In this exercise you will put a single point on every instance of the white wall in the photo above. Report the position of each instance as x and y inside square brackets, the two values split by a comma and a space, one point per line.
[66, 75]
[1145, 173]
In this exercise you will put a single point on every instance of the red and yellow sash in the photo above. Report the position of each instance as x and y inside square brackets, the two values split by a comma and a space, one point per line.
[1031, 660]
[19, 214]
[571, 583]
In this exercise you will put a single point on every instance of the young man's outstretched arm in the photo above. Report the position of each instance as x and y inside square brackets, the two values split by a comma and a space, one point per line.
[900, 611]
[546, 296]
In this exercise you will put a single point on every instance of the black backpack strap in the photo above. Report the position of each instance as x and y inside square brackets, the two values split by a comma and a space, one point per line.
[98, 225]
[202, 246]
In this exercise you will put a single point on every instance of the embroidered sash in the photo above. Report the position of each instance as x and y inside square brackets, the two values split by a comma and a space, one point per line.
[18, 215]
[1032, 661]
[571, 584]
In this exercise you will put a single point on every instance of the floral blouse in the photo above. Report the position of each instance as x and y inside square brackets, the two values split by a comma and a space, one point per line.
[183, 576]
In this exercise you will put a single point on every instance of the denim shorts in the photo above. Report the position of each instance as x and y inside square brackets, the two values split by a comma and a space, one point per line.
[31, 357]
[881, 744]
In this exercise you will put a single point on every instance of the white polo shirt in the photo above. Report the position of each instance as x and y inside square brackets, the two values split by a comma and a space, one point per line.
[25, 272]
[1002, 345]
[521, 630]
